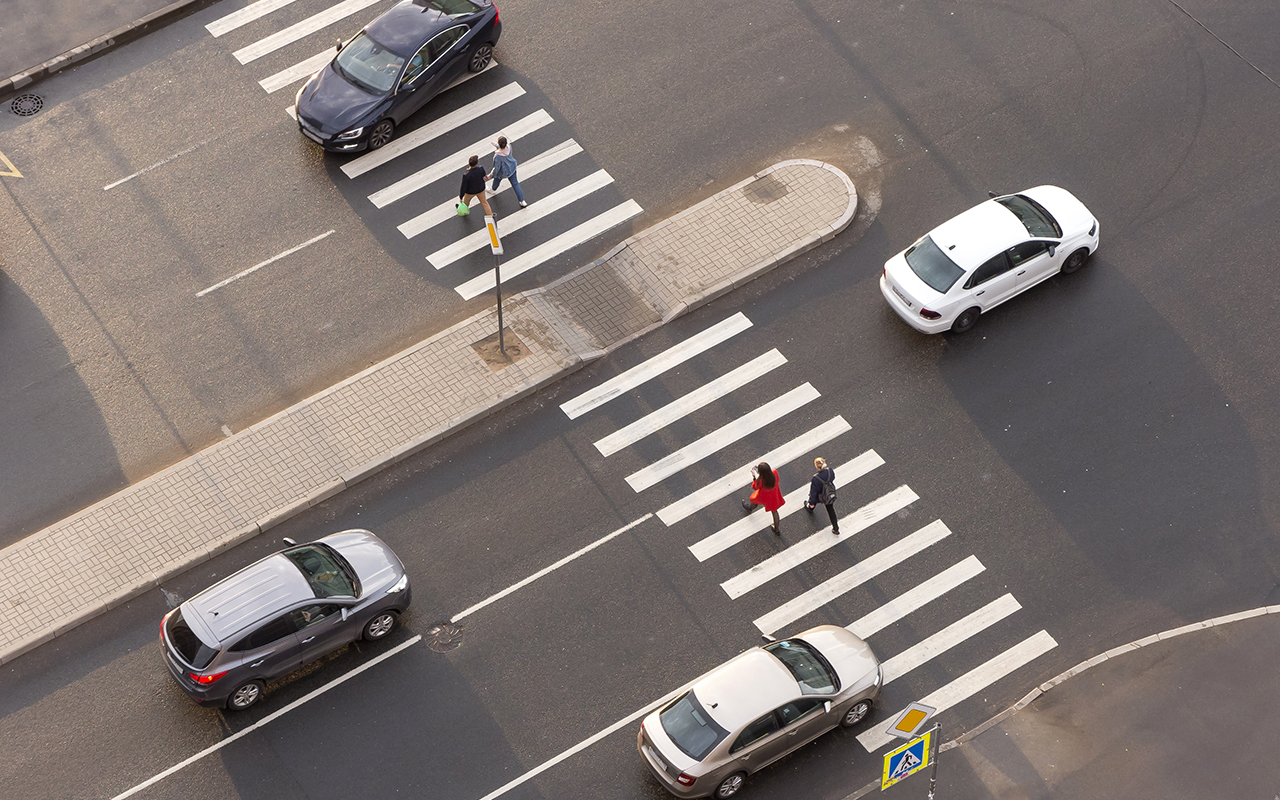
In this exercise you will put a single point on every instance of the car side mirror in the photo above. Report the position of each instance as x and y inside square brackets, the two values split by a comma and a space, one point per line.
[826, 706]
[288, 541]
[338, 47]
[1053, 251]
[347, 612]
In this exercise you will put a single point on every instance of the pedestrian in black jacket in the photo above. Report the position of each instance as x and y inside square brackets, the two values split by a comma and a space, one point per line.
[816, 493]
[473, 181]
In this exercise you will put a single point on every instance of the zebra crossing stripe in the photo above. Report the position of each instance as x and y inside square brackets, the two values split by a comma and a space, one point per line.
[671, 357]
[456, 163]
[722, 487]
[744, 528]
[722, 437]
[552, 247]
[303, 69]
[298, 30]
[513, 222]
[950, 636]
[916, 598]
[854, 576]
[434, 129]
[691, 402]
[820, 542]
[968, 684]
[237, 19]
[445, 211]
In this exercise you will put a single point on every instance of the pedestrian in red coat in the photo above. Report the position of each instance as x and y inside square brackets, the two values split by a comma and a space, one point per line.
[765, 491]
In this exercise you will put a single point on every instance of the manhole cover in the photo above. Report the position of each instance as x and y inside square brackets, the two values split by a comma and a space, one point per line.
[26, 105]
[443, 636]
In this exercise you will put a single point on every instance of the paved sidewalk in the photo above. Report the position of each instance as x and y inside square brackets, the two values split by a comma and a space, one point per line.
[123, 546]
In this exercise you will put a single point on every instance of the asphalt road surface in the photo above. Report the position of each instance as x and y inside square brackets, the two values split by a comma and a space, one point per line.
[1103, 446]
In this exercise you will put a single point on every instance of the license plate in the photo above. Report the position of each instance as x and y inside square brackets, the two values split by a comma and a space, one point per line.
[654, 755]
[312, 136]
[900, 294]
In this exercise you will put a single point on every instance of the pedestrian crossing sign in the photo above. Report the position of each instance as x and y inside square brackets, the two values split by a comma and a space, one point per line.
[907, 760]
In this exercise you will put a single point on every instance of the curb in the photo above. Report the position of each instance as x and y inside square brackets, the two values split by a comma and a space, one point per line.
[103, 44]
[1088, 664]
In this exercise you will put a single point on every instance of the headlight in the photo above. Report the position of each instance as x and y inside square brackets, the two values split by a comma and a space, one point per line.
[351, 134]
[400, 586]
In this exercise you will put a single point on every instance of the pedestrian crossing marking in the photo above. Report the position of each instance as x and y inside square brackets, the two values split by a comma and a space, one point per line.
[510, 224]
[434, 129]
[955, 633]
[244, 16]
[303, 69]
[446, 210]
[671, 357]
[915, 599]
[813, 545]
[720, 488]
[691, 402]
[853, 577]
[455, 162]
[976, 679]
[744, 528]
[298, 30]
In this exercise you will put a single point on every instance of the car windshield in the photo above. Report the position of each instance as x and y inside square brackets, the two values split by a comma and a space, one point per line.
[368, 64]
[194, 651]
[451, 8]
[1032, 215]
[809, 669]
[325, 570]
[932, 266]
[690, 727]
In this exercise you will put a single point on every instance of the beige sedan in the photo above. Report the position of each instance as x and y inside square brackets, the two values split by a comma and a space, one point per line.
[758, 707]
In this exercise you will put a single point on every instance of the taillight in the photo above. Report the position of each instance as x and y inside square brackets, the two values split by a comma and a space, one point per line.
[685, 779]
[927, 314]
[205, 680]
[495, 13]
[162, 621]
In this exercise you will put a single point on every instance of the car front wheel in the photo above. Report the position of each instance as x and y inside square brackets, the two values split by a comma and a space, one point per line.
[380, 626]
[967, 319]
[856, 713]
[381, 134]
[731, 785]
[245, 695]
[480, 58]
[1075, 261]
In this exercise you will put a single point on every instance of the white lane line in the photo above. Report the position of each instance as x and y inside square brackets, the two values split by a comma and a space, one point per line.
[691, 402]
[744, 528]
[456, 163]
[434, 129]
[267, 719]
[722, 437]
[236, 19]
[145, 170]
[298, 30]
[511, 223]
[732, 482]
[303, 69]
[551, 248]
[257, 267]
[547, 570]
[820, 542]
[969, 683]
[950, 636]
[671, 357]
[854, 576]
[917, 598]
[538, 164]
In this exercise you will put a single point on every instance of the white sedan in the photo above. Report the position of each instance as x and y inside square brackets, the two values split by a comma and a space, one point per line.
[974, 262]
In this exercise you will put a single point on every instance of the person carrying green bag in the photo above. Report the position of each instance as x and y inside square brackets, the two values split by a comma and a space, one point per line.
[473, 181]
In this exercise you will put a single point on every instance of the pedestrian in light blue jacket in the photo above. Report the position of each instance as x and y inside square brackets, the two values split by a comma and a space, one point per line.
[504, 166]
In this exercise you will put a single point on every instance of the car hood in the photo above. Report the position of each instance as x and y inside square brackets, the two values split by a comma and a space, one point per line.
[334, 104]
[1070, 213]
[848, 655]
[375, 565]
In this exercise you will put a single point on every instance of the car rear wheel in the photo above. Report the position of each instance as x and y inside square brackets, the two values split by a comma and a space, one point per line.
[731, 785]
[380, 626]
[245, 695]
[480, 57]
[856, 713]
[967, 319]
[1075, 261]
[381, 134]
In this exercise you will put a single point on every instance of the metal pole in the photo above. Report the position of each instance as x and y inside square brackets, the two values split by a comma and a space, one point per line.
[497, 285]
[933, 774]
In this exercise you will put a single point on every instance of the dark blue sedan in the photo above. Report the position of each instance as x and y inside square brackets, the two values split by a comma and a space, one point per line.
[392, 68]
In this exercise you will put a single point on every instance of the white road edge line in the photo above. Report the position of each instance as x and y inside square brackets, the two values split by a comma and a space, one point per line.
[548, 570]
[269, 718]
[257, 267]
[145, 170]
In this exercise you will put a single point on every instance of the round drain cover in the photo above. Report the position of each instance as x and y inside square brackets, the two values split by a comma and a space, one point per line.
[26, 105]
[443, 636]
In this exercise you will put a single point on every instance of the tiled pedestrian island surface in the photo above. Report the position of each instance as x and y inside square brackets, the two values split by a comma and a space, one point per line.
[115, 550]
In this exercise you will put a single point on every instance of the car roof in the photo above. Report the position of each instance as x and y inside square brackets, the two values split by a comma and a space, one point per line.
[746, 687]
[254, 593]
[978, 234]
[408, 24]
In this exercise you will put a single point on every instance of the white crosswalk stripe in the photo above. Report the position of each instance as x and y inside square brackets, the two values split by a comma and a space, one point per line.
[915, 599]
[244, 16]
[298, 30]
[303, 69]
[820, 542]
[950, 636]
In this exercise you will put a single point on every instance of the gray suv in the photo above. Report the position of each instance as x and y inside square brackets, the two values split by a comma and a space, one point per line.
[287, 610]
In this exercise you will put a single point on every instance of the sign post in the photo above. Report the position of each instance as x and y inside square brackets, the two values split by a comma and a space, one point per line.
[495, 244]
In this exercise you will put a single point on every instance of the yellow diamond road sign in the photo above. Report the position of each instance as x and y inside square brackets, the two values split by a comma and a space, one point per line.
[907, 760]
[911, 720]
